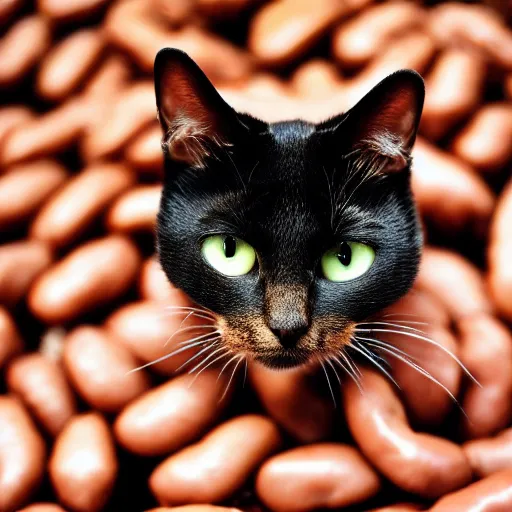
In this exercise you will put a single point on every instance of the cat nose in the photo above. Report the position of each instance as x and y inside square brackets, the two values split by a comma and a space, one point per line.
[289, 337]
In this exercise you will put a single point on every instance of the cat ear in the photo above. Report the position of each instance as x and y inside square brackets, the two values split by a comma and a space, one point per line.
[195, 119]
[383, 125]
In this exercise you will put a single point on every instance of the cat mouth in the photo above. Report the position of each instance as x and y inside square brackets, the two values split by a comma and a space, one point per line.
[283, 359]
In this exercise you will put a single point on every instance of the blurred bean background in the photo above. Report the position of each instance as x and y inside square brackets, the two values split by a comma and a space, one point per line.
[82, 298]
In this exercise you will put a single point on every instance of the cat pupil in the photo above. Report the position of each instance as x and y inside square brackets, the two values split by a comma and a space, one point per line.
[229, 246]
[345, 254]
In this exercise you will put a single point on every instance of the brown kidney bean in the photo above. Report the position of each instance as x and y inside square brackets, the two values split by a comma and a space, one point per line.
[492, 494]
[171, 415]
[50, 133]
[43, 507]
[145, 151]
[61, 71]
[400, 507]
[453, 90]
[111, 77]
[319, 476]
[472, 25]
[486, 350]
[22, 455]
[11, 117]
[423, 464]
[8, 8]
[176, 12]
[38, 180]
[42, 386]
[222, 7]
[153, 283]
[490, 455]
[101, 370]
[316, 78]
[485, 141]
[10, 339]
[70, 9]
[63, 219]
[292, 400]
[152, 331]
[359, 40]
[135, 210]
[195, 508]
[215, 467]
[94, 274]
[454, 281]
[83, 465]
[283, 30]
[20, 264]
[448, 192]
[21, 47]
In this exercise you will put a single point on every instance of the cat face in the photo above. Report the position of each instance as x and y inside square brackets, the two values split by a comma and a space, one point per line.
[291, 232]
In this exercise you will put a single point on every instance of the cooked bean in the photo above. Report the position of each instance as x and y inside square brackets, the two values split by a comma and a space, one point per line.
[8, 8]
[43, 507]
[111, 77]
[11, 117]
[70, 9]
[135, 210]
[22, 455]
[486, 350]
[10, 339]
[292, 400]
[38, 180]
[316, 78]
[99, 369]
[400, 507]
[195, 508]
[215, 467]
[83, 465]
[42, 386]
[21, 47]
[145, 151]
[448, 192]
[454, 89]
[423, 464]
[93, 274]
[171, 415]
[153, 283]
[454, 281]
[490, 455]
[61, 71]
[485, 141]
[20, 265]
[359, 40]
[63, 219]
[319, 476]
[492, 494]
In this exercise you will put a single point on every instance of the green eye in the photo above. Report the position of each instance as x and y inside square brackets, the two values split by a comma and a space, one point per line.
[348, 261]
[228, 255]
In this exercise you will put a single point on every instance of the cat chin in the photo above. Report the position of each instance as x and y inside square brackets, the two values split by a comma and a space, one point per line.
[282, 361]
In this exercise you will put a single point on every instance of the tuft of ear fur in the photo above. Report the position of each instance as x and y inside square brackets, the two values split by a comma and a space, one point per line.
[195, 119]
[383, 125]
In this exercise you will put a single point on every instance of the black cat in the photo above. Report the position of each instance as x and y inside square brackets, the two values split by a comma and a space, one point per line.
[288, 233]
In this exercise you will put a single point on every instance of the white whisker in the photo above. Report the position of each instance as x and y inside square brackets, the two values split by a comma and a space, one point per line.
[240, 359]
[362, 324]
[207, 358]
[198, 354]
[368, 355]
[328, 383]
[225, 354]
[190, 328]
[354, 377]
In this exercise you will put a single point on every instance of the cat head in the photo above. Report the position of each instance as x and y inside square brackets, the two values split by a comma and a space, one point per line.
[289, 232]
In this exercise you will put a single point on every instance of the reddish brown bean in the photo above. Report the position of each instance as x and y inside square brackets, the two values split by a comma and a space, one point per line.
[83, 465]
[448, 192]
[214, 468]
[20, 265]
[145, 151]
[101, 370]
[11, 117]
[490, 455]
[423, 464]
[93, 274]
[111, 77]
[42, 386]
[22, 455]
[61, 71]
[8, 8]
[153, 283]
[499, 254]
[43, 507]
[485, 141]
[38, 181]
[135, 210]
[317, 78]
[292, 399]
[400, 507]
[10, 339]
[171, 415]
[195, 508]
[454, 281]
[359, 40]
[454, 89]
[69, 10]
[492, 494]
[319, 476]
[21, 47]
[63, 219]
[486, 350]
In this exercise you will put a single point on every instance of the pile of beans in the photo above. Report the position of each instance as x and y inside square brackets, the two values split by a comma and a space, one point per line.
[83, 301]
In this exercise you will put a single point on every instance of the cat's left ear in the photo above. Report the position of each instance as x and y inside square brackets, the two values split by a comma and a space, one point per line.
[195, 119]
[383, 125]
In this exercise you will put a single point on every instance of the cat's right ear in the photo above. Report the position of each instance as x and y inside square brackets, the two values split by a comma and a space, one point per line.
[195, 120]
